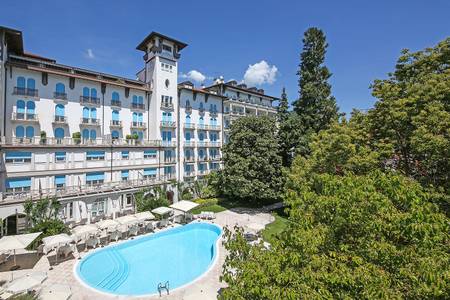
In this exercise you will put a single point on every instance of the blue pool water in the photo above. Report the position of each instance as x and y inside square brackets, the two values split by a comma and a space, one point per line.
[135, 267]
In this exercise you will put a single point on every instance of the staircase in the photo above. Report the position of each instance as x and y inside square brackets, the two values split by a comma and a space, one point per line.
[119, 273]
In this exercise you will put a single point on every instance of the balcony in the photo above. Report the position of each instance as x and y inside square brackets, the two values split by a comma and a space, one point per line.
[213, 113]
[214, 144]
[202, 127]
[59, 96]
[214, 158]
[140, 106]
[116, 103]
[89, 100]
[189, 126]
[189, 174]
[116, 123]
[189, 159]
[21, 91]
[189, 144]
[24, 117]
[188, 109]
[49, 141]
[201, 110]
[214, 127]
[203, 158]
[168, 124]
[139, 125]
[168, 144]
[166, 106]
[202, 144]
[59, 119]
[170, 160]
[90, 121]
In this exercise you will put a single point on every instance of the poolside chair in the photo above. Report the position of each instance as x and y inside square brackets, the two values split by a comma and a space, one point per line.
[149, 227]
[133, 230]
[92, 241]
[4, 257]
[114, 236]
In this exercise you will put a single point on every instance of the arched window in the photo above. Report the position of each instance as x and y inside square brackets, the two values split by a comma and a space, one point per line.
[164, 116]
[188, 119]
[201, 153]
[115, 134]
[29, 132]
[93, 93]
[201, 120]
[140, 117]
[201, 105]
[31, 84]
[201, 136]
[93, 113]
[93, 134]
[140, 135]
[188, 136]
[21, 82]
[115, 115]
[20, 104]
[169, 117]
[85, 134]
[30, 107]
[60, 88]
[135, 117]
[135, 99]
[86, 92]
[59, 110]
[85, 113]
[115, 96]
[59, 133]
[20, 132]
[141, 100]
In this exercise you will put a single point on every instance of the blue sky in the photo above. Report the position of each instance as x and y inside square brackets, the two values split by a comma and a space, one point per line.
[226, 37]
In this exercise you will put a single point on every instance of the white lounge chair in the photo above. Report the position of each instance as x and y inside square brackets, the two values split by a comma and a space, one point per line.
[149, 227]
[133, 230]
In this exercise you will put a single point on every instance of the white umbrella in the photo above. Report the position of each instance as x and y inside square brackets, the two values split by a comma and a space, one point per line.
[127, 220]
[14, 242]
[26, 283]
[56, 240]
[144, 216]
[184, 205]
[163, 210]
[107, 224]
[55, 292]
[84, 230]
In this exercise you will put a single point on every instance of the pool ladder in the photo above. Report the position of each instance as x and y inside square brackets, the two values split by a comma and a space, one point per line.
[163, 287]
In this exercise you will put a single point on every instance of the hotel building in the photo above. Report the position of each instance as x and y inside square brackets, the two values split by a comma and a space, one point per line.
[92, 140]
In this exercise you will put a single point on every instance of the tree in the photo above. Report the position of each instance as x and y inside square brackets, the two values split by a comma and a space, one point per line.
[413, 114]
[350, 237]
[283, 107]
[315, 105]
[252, 165]
[148, 199]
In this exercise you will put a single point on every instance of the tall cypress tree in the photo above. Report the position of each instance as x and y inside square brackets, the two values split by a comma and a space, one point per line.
[283, 107]
[316, 106]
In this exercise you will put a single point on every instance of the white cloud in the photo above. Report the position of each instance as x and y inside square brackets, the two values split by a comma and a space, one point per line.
[90, 54]
[194, 75]
[260, 73]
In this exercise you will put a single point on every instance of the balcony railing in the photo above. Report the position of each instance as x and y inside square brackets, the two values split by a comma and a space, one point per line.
[89, 100]
[170, 144]
[49, 141]
[189, 158]
[215, 157]
[169, 160]
[189, 174]
[214, 144]
[166, 106]
[25, 92]
[60, 96]
[214, 127]
[213, 113]
[60, 119]
[202, 144]
[168, 124]
[202, 127]
[189, 125]
[188, 109]
[116, 103]
[116, 123]
[90, 121]
[189, 143]
[141, 125]
[75, 191]
[138, 105]
[203, 158]
[24, 117]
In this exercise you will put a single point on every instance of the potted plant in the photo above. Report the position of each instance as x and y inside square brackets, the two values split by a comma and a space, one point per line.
[76, 136]
[136, 138]
[43, 137]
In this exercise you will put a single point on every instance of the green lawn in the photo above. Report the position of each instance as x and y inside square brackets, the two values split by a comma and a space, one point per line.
[274, 228]
[213, 207]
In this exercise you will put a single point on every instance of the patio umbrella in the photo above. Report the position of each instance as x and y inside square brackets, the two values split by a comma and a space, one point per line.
[144, 216]
[55, 292]
[107, 224]
[127, 220]
[26, 283]
[184, 205]
[162, 210]
[15, 242]
[84, 230]
[56, 241]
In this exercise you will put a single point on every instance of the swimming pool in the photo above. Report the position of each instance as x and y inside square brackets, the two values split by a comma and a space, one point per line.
[136, 267]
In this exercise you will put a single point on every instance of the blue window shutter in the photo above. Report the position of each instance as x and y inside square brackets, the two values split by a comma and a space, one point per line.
[115, 96]
[115, 134]
[140, 117]
[60, 179]
[141, 100]
[135, 118]
[93, 134]
[115, 115]
[21, 82]
[85, 113]
[93, 113]
[17, 155]
[125, 153]
[125, 173]
[140, 135]
[95, 154]
[93, 93]
[60, 88]
[59, 110]
[95, 176]
[85, 133]
[149, 152]
[31, 83]
[188, 136]
[135, 100]
[150, 171]
[29, 132]
[18, 182]
[30, 107]
[20, 104]
[20, 132]
[60, 155]
[59, 133]
[85, 92]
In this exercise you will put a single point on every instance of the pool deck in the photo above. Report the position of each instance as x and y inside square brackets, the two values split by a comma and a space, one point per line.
[204, 288]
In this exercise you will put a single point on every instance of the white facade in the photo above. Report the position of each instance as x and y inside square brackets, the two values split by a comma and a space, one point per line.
[92, 140]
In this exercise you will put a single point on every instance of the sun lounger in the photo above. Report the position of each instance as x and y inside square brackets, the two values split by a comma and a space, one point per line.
[4, 257]
[115, 236]
[92, 241]
[133, 231]
[149, 227]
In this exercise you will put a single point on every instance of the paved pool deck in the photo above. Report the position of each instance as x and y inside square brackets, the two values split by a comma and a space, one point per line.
[206, 287]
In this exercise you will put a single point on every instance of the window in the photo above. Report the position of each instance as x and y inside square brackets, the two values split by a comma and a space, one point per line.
[95, 155]
[168, 156]
[18, 184]
[98, 208]
[114, 134]
[60, 156]
[149, 173]
[115, 96]
[17, 157]
[125, 154]
[201, 136]
[115, 117]
[20, 109]
[60, 91]
[21, 82]
[29, 132]
[93, 134]
[60, 181]
[85, 134]
[129, 199]
[187, 136]
[149, 154]
[124, 175]
[95, 178]
[20, 132]
[59, 133]
[59, 112]
[167, 48]
[167, 83]
[70, 210]
[167, 136]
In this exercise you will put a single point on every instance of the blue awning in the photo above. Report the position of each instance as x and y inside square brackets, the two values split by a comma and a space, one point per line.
[95, 154]
[60, 179]
[149, 152]
[150, 171]
[125, 153]
[95, 176]
[60, 155]
[18, 155]
[125, 173]
[18, 182]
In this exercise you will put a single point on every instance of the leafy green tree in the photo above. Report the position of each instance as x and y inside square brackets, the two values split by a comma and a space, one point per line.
[252, 165]
[315, 105]
[283, 107]
[413, 114]
[148, 199]
[291, 138]
[374, 236]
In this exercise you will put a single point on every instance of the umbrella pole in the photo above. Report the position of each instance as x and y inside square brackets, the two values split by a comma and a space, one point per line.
[15, 263]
